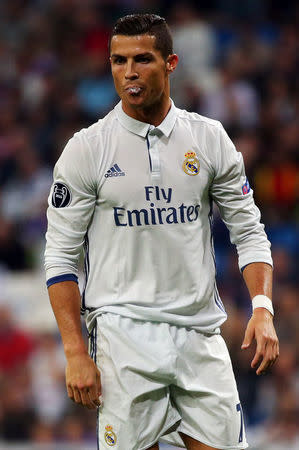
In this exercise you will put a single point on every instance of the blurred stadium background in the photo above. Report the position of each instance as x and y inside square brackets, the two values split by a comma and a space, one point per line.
[239, 64]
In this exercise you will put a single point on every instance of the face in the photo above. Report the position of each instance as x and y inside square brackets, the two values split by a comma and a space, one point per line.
[139, 71]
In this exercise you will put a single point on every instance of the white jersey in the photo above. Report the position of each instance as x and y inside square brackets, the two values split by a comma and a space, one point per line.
[139, 199]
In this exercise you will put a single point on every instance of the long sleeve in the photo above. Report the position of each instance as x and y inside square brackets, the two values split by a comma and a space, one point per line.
[71, 205]
[231, 192]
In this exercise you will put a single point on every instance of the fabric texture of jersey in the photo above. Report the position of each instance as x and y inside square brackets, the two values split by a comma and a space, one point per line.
[138, 198]
[162, 373]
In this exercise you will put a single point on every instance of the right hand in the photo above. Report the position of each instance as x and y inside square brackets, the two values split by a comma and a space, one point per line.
[83, 381]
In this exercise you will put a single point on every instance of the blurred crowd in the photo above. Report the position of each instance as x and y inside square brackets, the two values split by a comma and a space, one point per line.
[238, 64]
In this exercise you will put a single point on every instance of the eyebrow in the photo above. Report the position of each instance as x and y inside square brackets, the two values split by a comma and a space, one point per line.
[146, 54]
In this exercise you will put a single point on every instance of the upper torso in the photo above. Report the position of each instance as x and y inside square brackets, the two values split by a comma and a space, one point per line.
[142, 203]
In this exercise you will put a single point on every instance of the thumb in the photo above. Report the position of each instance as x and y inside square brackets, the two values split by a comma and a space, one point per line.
[249, 334]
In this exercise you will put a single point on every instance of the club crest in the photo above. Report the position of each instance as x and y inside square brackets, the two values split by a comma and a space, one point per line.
[61, 196]
[191, 164]
[110, 436]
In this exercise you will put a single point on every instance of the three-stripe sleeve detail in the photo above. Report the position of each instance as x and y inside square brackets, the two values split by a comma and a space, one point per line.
[86, 272]
[217, 298]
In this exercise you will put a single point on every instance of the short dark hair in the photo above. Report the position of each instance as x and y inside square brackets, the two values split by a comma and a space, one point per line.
[135, 24]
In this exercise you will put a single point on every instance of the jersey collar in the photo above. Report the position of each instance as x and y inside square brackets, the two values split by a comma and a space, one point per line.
[142, 128]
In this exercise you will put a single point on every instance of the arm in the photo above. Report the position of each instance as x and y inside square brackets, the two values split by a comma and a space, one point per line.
[71, 206]
[82, 376]
[233, 195]
[258, 279]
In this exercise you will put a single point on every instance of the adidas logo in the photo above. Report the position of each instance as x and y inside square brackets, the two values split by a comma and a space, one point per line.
[115, 171]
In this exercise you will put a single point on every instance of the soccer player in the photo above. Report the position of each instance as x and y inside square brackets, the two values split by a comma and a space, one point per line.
[136, 190]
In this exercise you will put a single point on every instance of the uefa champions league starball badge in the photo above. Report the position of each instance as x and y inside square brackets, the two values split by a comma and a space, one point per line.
[61, 196]
[191, 164]
[110, 436]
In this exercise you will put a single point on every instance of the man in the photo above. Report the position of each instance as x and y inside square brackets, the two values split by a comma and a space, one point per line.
[136, 189]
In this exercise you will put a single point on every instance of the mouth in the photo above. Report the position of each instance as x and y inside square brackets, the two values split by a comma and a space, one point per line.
[133, 90]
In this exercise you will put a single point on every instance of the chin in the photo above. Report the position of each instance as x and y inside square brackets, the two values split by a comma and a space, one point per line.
[137, 101]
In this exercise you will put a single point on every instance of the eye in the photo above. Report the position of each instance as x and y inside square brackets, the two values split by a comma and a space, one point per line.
[118, 60]
[143, 59]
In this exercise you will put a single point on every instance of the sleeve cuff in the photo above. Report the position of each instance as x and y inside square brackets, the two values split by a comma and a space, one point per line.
[60, 278]
[265, 262]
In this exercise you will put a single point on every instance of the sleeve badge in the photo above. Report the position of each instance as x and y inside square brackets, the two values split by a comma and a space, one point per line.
[61, 196]
[246, 187]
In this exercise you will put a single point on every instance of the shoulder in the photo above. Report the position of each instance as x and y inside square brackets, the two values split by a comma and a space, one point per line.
[209, 135]
[198, 120]
[206, 132]
[97, 129]
[89, 143]
[85, 150]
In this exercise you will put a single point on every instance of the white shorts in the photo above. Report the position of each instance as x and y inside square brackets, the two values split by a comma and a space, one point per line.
[159, 379]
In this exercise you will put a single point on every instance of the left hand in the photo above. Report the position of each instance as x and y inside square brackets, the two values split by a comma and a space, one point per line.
[260, 327]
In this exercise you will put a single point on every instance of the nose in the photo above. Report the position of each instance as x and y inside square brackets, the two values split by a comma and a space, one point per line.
[131, 73]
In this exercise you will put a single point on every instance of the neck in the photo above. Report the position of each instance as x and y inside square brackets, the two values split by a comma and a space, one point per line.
[153, 114]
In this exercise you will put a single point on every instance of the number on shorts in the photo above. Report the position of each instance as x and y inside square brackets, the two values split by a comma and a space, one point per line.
[239, 408]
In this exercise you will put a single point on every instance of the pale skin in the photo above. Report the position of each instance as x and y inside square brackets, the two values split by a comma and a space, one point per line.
[141, 78]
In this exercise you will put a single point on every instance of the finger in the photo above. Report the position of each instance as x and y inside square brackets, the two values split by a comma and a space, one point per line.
[70, 393]
[94, 395]
[86, 400]
[275, 353]
[249, 334]
[269, 358]
[277, 350]
[259, 354]
[77, 396]
[264, 366]
[95, 401]
[98, 381]
[95, 391]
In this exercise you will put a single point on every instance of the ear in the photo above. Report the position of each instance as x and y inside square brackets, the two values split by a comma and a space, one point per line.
[171, 63]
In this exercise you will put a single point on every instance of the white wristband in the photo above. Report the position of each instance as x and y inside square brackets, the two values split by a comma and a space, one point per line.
[262, 301]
